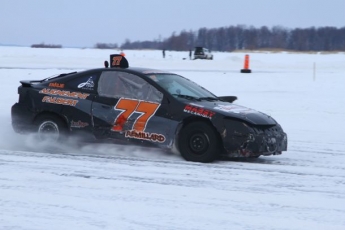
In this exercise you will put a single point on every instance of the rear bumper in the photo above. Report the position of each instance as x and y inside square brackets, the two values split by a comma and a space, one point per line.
[22, 118]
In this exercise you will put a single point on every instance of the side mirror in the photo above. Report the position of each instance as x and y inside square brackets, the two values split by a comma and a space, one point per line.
[228, 98]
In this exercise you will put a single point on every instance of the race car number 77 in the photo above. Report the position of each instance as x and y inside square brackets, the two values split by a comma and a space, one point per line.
[130, 106]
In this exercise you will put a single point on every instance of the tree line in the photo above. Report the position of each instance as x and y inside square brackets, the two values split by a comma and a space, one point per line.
[246, 38]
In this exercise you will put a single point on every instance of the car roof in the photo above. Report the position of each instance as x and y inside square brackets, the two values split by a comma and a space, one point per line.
[139, 70]
[146, 70]
[120, 64]
[134, 70]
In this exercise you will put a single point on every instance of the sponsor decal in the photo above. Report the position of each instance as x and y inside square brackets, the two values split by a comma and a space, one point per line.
[57, 85]
[128, 107]
[59, 100]
[145, 136]
[89, 84]
[233, 109]
[196, 110]
[64, 93]
[78, 124]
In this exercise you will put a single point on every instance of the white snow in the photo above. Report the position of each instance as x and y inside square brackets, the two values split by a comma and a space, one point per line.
[46, 186]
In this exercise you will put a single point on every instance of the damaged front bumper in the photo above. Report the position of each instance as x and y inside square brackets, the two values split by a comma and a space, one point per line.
[243, 140]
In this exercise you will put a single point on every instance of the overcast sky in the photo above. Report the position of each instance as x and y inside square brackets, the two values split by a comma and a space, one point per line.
[83, 23]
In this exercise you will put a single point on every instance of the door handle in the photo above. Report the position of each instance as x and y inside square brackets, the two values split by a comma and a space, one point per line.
[106, 106]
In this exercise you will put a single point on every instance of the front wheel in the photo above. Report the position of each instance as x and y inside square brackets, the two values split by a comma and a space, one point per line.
[50, 128]
[199, 142]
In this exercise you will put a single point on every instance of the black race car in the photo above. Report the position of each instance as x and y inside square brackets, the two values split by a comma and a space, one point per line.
[147, 107]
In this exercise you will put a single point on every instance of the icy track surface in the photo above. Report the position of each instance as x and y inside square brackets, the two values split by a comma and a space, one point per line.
[47, 186]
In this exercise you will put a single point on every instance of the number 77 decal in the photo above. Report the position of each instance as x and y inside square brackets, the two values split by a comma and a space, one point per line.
[130, 106]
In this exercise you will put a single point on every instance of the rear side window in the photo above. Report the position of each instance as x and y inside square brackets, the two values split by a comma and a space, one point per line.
[117, 84]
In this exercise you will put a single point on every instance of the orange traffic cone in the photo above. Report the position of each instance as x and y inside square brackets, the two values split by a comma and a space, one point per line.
[246, 65]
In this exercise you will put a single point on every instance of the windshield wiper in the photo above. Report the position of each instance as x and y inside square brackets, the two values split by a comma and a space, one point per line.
[185, 96]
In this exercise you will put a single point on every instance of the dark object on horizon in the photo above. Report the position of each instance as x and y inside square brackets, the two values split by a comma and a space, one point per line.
[163, 53]
[202, 53]
[190, 54]
[42, 45]
[106, 46]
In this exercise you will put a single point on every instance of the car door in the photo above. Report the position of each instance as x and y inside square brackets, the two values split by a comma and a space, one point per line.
[128, 108]
[81, 90]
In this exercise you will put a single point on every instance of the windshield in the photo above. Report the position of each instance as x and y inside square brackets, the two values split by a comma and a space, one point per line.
[181, 87]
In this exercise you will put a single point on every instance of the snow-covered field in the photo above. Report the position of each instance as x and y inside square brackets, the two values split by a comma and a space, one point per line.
[111, 187]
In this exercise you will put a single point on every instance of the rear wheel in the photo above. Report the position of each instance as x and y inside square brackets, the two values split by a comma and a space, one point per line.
[199, 142]
[51, 127]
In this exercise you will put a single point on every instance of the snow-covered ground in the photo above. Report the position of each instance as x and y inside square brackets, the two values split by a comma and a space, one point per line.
[111, 187]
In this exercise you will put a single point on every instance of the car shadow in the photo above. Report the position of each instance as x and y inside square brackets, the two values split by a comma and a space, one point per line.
[260, 160]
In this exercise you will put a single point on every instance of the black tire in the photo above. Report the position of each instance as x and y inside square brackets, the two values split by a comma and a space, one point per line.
[51, 128]
[199, 142]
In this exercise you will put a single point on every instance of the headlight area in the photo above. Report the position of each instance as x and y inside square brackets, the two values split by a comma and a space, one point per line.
[241, 139]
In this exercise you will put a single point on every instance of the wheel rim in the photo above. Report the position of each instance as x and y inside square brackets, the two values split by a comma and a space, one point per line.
[199, 143]
[48, 130]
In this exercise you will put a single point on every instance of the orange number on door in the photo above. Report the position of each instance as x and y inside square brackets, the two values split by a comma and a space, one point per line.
[147, 109]
[130, 106]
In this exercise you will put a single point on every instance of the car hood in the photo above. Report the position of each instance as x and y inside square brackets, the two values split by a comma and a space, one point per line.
[236, 111]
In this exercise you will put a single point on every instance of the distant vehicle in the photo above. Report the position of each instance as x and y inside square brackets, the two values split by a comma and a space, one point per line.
[145, 107]
[202, 53]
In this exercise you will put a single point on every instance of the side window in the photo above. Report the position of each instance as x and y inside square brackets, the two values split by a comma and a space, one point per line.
[83, 83]
[117, 84]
